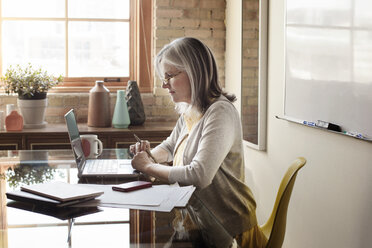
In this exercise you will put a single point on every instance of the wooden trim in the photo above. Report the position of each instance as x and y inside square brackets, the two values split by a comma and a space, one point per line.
[46, 144]
[142, 228]
[145, 17]
[9, 144]
[134, 228]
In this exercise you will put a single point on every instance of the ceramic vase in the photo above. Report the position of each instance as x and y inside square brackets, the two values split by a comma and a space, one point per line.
[99, 106]
[33, 112]
[121, 117]
[14, 121]
[135, 105]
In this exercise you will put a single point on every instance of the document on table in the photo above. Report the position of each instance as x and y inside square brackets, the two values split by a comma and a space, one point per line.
[157, 198]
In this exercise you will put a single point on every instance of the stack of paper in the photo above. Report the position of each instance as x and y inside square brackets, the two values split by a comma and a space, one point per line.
[56, 194]
[161, 198]
[59, 194]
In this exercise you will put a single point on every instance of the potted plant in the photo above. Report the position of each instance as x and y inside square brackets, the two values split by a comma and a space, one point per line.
[31, 85]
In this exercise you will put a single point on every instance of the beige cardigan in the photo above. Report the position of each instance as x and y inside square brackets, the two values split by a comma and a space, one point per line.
[213, 162]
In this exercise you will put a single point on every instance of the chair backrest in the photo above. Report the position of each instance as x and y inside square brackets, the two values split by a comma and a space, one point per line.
[274, 228]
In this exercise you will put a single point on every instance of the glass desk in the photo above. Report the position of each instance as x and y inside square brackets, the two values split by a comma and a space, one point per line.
[102, 227]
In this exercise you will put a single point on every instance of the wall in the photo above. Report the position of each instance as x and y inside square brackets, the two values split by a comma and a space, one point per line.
[331, 202]
[203, 19]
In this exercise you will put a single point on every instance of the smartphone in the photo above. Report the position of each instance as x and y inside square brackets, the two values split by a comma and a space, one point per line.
[131, 186]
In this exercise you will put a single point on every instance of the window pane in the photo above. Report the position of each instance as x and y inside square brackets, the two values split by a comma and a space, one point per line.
[41, 43]
[98, 236]
[44, 237]
[98, 49]
[113, 9]
[34, 8]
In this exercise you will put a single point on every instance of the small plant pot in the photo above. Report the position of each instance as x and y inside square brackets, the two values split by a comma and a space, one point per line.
[33, 112]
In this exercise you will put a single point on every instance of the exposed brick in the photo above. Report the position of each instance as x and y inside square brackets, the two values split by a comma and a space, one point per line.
[250, 53]
[175, 33]
[250, 62]
[163, 111]
[215, 24]
[191, 13]
[55, 100]
[250, 25]
[185, 23]
[219, 44]
[56, 111]
[250, 35]
[162, 3]
[160, 92]
[213, 4]
[197, 13]
[218, 14]
[159, 101]
[161, 42]
[219, 34]
[84, 99]
[148, 100]
[71, 100]
[163, 22]
[250, 44]
[219, 55]
[198, 33]
[205, 14]
[185, 4]
[251, 5]
[169, 13]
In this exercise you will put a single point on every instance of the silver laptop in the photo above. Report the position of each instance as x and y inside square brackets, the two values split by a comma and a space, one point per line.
[95, 167]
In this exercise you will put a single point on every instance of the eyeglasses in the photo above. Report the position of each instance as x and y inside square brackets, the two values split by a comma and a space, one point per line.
[166, 80]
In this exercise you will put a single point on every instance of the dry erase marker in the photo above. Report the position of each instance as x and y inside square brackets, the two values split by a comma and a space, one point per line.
[309, 123]
[355, 135]
[328, 125]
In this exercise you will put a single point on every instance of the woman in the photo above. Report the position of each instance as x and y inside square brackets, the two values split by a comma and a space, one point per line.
[206, 149]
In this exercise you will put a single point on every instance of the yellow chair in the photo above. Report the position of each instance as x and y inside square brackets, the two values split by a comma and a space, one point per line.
[274, 228]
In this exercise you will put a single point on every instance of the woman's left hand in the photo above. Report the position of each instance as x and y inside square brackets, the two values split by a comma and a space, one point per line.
[141, 161]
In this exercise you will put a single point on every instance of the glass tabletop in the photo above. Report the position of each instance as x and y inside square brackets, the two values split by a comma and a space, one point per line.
[22, 226]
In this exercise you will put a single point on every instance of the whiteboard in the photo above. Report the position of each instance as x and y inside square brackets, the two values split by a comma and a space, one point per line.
[329, 63]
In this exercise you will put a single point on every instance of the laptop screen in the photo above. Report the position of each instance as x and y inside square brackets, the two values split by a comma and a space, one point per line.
[73, 133]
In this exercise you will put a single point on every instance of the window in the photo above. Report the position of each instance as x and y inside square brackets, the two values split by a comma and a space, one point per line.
[84, 40]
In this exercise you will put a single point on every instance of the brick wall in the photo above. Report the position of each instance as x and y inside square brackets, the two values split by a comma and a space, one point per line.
[203, 19]
[250, 41]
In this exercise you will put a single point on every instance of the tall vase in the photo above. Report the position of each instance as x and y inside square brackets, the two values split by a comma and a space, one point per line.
[135, 105]
[121, 115]
[99, 106]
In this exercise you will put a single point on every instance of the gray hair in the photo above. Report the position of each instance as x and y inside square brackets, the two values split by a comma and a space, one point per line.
[196, 59]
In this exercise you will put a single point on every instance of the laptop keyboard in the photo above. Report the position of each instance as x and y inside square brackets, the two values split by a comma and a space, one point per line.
[102, 166]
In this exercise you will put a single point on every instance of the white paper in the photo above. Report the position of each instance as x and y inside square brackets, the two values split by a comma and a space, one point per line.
[161, 198]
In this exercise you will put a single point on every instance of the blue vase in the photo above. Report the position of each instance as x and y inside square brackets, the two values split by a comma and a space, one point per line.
[121, 118]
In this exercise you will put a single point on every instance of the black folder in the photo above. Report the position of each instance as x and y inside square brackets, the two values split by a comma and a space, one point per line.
[62, 213]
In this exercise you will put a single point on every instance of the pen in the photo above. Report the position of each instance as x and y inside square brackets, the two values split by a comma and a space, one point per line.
[147, 150]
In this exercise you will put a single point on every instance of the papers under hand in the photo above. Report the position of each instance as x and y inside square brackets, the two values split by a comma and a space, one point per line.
[161, 198]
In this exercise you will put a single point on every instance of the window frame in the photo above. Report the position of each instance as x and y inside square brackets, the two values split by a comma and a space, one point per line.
[141, 69]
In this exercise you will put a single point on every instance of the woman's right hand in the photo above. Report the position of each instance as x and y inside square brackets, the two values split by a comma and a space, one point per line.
[139, 147]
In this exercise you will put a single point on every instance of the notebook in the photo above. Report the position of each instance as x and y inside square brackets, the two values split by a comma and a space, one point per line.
[95, 167]
[23, 196]
[61, 191]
